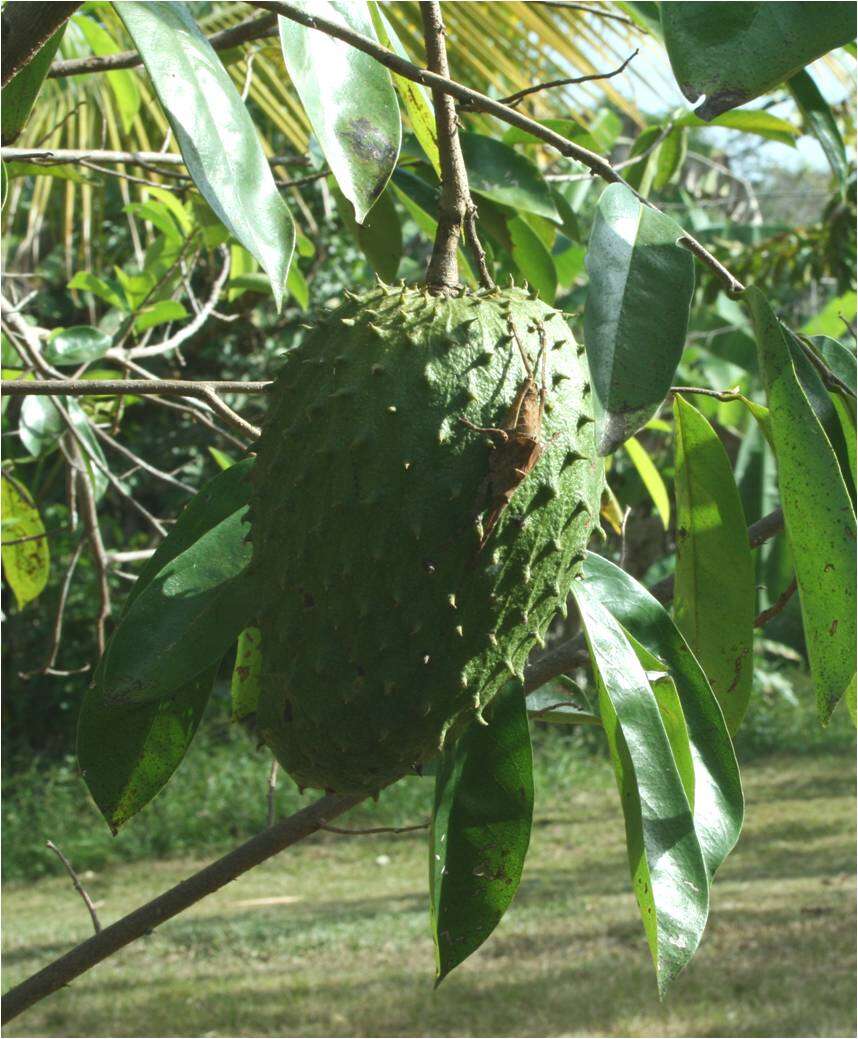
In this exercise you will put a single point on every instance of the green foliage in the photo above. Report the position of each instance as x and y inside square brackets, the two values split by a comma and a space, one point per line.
[26, 556]
[733, 52]
[481, 823]
[210, 123]
[641, 283]
[21, 91]
[354, 113]
[714, 596]
[668, 870]
[819, 517]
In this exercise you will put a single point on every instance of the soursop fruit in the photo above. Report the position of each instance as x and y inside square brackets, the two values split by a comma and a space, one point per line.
[406, 576]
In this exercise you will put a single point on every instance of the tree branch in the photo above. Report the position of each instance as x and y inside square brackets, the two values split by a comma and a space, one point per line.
[135, 387]
[253, 29]
[456, 208]
[81, 890]
[596, 163]
[25, 28]
[145, 159]
[513, 99]
[108, 941]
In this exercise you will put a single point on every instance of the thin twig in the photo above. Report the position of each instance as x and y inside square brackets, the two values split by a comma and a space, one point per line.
[57, 630]
[766, 615]
[599, 165]
[373, 829]
[600, 12]
[513, 99]
[89, 513]
[147, 467]
[167, 905]
[81, 890]
[272, 793]
[132, 387]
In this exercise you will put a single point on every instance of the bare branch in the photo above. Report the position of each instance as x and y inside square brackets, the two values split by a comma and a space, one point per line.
[167, 905]
[520, 95]
[373, 829]
[57, 630]
[133, 387]
[89, 513]
[272, 792]
[256, 28]
[148, 160]
[780, 604]
[81, 890]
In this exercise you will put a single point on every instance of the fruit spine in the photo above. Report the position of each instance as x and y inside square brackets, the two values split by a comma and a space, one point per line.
[403, 586]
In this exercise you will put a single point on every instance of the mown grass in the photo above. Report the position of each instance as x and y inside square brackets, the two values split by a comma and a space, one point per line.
[332, 939]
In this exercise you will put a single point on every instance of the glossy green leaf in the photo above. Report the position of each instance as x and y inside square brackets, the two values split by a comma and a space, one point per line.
[818, 515]
[39, 425]
[26, 563]
[668, 871]
[159, 216]
[76, 345]
[718, 803]
[839, 359]
[715, 592]
[480, 829]
[95, 464]
[223, 460]
[819, 120]
[105, 290]
[676, 730]
[60, 171]
[349, 100]
[636, 314]
[380, 235]
[846, 415]
[823, 406]
[670, 157]
[755, 121]
[216, 136]
[246, 683]
[20, 93]
[532, 259]
[185, 620]
[298, 288]
[160, 313]
[122, 82]
[417, 100]
[733, 52]
[651, 477]
[503, 175]
[127, 754]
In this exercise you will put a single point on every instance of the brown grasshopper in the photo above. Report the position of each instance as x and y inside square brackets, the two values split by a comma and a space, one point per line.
[518, 447]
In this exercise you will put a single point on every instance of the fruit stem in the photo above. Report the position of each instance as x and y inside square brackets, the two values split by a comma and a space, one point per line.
[456, 210]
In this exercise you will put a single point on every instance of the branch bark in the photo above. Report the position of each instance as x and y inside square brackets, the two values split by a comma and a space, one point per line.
[178, 898]
[25, 28]
[457, 208]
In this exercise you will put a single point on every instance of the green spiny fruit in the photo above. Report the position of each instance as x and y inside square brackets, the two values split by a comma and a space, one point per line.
[395, 607]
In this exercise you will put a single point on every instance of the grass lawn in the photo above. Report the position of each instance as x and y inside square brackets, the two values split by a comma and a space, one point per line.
[331, 939]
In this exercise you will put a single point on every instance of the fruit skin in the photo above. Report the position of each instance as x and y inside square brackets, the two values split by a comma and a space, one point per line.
[385, 627]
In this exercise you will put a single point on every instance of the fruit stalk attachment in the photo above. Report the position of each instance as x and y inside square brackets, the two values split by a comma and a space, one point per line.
[456, 211]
